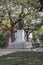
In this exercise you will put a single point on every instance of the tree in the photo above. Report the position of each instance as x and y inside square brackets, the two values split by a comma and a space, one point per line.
[31, 13]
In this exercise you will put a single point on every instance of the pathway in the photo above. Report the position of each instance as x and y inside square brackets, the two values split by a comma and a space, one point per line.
[7, 51]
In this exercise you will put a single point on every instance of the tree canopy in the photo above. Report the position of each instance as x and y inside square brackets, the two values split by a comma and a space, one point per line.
[25, 11]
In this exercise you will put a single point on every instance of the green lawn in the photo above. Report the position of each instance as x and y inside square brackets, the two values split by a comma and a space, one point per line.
[22, 58]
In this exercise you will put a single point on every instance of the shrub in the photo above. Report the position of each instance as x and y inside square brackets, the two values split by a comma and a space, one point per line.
[41, 37]
[3, 40]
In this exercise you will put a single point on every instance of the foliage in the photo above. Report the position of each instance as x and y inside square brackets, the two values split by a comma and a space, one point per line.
[41, 37]
[30, 7]
[35, 35]
[3, 40]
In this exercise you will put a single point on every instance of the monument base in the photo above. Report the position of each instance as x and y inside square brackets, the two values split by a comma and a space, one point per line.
[20, 35]
[20, 42]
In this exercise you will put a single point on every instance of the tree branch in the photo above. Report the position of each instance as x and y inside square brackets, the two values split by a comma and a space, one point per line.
[25, 15]
[41, 3]
[1, 18]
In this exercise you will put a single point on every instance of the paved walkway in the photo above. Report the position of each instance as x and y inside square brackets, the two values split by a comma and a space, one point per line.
[7, 51]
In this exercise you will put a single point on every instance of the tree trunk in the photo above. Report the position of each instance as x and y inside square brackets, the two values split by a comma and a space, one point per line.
[12, 34]
[27, 37]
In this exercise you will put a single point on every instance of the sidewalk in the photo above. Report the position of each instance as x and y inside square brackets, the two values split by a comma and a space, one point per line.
[7, 51]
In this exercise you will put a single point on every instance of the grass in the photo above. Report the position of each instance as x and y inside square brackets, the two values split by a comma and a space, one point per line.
[22, 58]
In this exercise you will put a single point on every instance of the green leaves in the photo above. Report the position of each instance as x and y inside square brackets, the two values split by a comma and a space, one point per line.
[3, 40]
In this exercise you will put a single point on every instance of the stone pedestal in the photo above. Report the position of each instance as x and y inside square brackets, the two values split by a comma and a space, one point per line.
[20, 42]
[20, 36]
